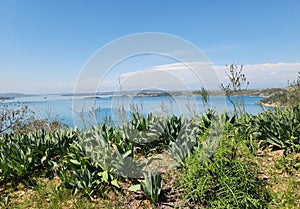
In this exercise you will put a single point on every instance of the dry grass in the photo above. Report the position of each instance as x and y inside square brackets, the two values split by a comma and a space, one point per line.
[282, 178]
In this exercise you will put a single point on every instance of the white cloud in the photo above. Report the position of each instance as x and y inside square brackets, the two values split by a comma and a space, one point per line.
[271, 74]
[175, 76]
[193, 75]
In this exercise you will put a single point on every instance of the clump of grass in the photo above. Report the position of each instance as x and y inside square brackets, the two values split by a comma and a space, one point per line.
[287, 197]
[224, 180]
[283, 175]
[48, 194]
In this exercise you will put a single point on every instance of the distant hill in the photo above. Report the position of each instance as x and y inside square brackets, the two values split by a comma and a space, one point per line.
[289, 96]
[10, 96]
[270, 94]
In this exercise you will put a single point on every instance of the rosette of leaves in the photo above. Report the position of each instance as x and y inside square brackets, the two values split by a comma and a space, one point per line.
[24, 155]
[151, 186]
[280, 128]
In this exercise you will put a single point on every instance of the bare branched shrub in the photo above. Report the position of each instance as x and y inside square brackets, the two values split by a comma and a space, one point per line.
[21, 119]
[237, 83]
[13, 117]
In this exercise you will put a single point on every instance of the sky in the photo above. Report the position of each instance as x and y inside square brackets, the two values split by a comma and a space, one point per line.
[45, 45]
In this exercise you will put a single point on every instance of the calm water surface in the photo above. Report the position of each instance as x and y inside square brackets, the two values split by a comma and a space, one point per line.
[71, 110]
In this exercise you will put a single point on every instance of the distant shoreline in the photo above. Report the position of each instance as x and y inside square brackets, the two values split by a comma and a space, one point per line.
[150, 93]
[6, 98]
[267, 104]
[265, 93]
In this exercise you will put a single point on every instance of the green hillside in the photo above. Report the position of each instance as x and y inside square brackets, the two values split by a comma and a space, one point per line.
[288, 97]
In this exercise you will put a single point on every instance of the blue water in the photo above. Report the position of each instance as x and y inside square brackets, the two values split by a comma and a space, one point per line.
[76, 111]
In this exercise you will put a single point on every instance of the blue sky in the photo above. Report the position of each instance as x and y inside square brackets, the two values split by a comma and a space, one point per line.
[45, 44]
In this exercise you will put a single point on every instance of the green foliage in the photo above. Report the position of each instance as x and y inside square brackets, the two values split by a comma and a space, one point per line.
[153, 133]
[151, 186]
[173, 127]
[224, 180]
[110, 151]
[24, 155]
[244, 128]
[96, 160]
[78, 172]
[48, 195]
[288, 163]
[288, 197]
[288, 97]
[204, 96]
[185, 141]
[145, 133]
[285, 97]
[280, 128]
[212, 150]
[200, 133]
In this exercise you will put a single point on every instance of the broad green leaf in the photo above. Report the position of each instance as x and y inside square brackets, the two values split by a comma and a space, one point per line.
[135, 187]
[104, 175]
[297, 165]
[115, 183]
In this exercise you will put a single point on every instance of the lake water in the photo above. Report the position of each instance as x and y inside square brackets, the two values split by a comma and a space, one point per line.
[73, 111]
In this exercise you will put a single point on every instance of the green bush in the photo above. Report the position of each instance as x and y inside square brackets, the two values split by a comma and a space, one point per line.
[224, 180]
[280, 128]
[24, 155]
[78, 172]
